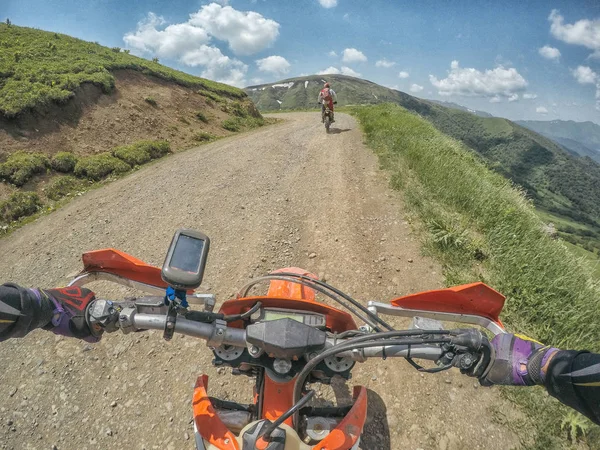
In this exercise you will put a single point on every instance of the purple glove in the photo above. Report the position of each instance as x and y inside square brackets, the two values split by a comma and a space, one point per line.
[517, 361]
[70, 305]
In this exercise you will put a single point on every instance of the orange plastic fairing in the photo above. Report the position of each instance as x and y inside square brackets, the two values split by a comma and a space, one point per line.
[208, 423]
[336, 320]
[287, 289]
[476, 299]
[119, 263]
[345, 435]
[277, 399]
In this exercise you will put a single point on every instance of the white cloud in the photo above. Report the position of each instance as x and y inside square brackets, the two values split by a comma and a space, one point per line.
[246, 32]
[541, 110]
[172, 42]
[585, 75]
[529, 96]
[329, 71]
[549, 52]
[472, 82]
[415, 88]
[348, 71]
[495, 99]
[277, 65]
[256, 81]
[351, 55]
[385, 63]
[513, 98]
[189, 42]
[332, 53]
[335, 71]
[584, 32]
[403, 75]
[328, 3]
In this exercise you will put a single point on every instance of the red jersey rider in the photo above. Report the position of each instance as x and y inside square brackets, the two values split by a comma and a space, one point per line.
[327, 95]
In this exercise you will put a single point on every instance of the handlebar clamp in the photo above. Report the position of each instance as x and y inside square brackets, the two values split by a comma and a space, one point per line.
[218, 335]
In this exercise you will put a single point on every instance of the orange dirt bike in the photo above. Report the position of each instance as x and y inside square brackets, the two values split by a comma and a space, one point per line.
[287, 340]
[327, 115]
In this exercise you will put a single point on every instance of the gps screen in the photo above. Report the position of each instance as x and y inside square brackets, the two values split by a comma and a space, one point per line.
[187, 253]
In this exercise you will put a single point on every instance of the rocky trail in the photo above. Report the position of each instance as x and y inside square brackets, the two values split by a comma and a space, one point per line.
[284, 195]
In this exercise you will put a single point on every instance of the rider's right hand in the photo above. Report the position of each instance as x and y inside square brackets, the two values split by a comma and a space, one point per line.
[518, 361]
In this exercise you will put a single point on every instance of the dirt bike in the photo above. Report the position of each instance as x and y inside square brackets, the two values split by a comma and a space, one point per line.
[327, 116]
[287, 340]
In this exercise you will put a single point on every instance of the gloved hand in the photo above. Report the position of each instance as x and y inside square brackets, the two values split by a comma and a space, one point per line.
[69, 316]
[518, 361]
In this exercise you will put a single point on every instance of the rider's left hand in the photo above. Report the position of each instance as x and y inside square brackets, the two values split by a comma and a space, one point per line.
[517, 361]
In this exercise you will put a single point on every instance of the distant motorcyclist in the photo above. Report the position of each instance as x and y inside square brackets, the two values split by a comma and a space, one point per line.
[327, 96]
[573, 377]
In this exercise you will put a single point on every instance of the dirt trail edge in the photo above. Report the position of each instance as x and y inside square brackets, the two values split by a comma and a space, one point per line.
[284, 195]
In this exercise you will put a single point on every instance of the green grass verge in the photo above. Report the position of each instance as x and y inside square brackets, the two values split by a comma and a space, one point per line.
[40, 67]
[482, 228]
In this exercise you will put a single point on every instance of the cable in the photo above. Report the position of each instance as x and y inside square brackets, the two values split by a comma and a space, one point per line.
[316, 285]
[273, 426]
[234, 317]
[341, 294]
[365, 342]
[245, 289]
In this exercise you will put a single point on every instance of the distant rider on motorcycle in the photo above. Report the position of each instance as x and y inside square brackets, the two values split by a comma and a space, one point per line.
[329, 97]
[571, 376]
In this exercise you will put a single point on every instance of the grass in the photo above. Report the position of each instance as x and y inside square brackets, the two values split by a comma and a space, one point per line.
[482, 227]
[203, 136]
[63, 162]
[40, 67]
[60, 187]
[19, 204]
[21, 166]
[96, 167]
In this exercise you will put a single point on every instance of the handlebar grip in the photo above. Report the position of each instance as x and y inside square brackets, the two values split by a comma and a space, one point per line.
[431, 352]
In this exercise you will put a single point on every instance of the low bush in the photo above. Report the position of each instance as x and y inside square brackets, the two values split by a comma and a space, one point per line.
[232, 124]
[151, 101]
[21, 166]
[211, 95]
[19, 204]
[156, 149]
[203, 136]
[201, 116]
[133, 155]
[62, 186]
[99, 166]
[63, 162]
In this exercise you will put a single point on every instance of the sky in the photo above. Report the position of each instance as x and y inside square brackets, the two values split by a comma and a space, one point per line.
[535, 60]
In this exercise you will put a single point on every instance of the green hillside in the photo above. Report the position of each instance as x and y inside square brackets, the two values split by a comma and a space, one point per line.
[587, 133]
[38, 67]
[559, 182]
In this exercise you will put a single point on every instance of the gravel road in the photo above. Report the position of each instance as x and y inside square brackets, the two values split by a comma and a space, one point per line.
[283, 195]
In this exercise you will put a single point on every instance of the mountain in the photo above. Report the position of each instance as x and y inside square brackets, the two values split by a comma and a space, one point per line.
[553, 177]
[580, 137]
[463, 108]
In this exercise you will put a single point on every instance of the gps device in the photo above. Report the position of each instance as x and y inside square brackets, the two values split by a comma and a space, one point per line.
[186, 258]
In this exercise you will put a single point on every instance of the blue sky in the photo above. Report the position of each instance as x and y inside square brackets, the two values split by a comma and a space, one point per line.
[516, 59]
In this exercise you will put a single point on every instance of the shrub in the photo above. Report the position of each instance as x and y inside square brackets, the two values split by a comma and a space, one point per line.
[156, 149]
[200, 116]
[19, 204]
[116, 49]
[134, 155]
[63, 162]
[231, 124]
[151, 101]
[211, 95]
[61, 186]
[98, 166]
[21, 166]
[203, 136]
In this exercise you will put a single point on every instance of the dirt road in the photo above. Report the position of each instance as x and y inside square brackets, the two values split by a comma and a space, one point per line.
[267, 199]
